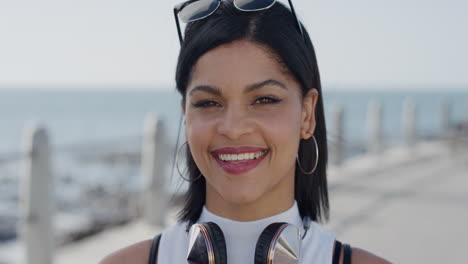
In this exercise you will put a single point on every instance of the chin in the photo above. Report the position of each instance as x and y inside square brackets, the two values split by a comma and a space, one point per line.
[241, 197]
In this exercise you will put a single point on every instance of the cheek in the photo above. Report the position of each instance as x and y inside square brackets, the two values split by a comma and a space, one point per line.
[198, 138]
[284, 124]
[198, 132]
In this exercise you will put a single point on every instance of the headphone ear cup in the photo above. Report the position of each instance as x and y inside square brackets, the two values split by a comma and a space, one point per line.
[219, 243]
[264, 242]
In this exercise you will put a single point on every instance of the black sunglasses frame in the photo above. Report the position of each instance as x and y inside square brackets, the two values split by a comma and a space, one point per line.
[181, 6]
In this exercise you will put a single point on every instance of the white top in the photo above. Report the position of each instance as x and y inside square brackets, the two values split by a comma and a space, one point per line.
[241, 238]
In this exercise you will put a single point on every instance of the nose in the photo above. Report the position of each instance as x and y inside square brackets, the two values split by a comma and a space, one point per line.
[235, 123]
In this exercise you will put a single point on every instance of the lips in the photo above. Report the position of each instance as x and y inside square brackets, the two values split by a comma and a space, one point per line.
[240, 159]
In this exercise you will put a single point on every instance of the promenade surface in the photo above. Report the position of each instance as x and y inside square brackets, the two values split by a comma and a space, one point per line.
[407, 205]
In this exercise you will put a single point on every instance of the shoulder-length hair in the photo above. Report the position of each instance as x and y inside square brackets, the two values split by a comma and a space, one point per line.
[276, 29]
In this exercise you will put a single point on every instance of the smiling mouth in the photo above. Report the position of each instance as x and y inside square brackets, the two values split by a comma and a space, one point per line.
[239, 160]
[241, 157]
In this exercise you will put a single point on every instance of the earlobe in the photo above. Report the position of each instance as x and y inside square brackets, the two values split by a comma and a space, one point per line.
[305, 135]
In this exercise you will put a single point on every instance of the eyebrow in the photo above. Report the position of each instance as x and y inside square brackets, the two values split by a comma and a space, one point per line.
[259, 85]
[248, 89]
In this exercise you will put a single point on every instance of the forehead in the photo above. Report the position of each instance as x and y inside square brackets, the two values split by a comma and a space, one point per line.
[238, 64]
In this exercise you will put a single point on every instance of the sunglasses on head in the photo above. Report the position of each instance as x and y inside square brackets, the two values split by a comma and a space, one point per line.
[193, 10]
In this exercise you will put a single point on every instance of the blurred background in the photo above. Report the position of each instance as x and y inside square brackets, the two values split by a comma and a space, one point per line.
[88, 110]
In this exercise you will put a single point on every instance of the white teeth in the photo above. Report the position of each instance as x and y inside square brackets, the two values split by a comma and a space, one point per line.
[242, 156]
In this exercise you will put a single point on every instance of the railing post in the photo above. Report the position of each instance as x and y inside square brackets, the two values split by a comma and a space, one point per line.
[445, 112]
[409, 120]
[447, 132]
[375, 130]
[465, 125]
[338, 126]
[465, 121]
[153, 167]
[36, 202]
[466, 113]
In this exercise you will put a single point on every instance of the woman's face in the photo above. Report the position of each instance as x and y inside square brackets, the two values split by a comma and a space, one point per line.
[244, 120]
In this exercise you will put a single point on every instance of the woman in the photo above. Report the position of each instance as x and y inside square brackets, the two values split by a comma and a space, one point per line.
[256, 143]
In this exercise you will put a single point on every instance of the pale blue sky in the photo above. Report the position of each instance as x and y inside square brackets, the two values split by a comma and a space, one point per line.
[133, 43]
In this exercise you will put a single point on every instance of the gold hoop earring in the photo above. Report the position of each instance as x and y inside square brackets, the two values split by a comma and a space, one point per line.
[178, 169]
[316, 159]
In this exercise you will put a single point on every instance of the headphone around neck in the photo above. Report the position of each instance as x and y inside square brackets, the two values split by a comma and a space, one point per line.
[278, 243]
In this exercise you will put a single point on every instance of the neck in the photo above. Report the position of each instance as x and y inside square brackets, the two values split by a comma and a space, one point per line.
[266, 206]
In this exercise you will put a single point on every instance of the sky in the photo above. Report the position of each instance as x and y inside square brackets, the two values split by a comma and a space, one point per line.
[133, 43]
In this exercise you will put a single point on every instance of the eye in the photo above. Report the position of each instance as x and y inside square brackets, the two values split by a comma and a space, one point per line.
[205, 103]
[267, 100]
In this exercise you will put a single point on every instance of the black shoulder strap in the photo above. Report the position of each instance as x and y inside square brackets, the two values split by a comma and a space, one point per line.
[347, 254]
[153, 257]
[337, 252]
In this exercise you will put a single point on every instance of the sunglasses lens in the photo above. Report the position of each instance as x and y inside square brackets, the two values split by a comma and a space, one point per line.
[198, 10]
[253, 5]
